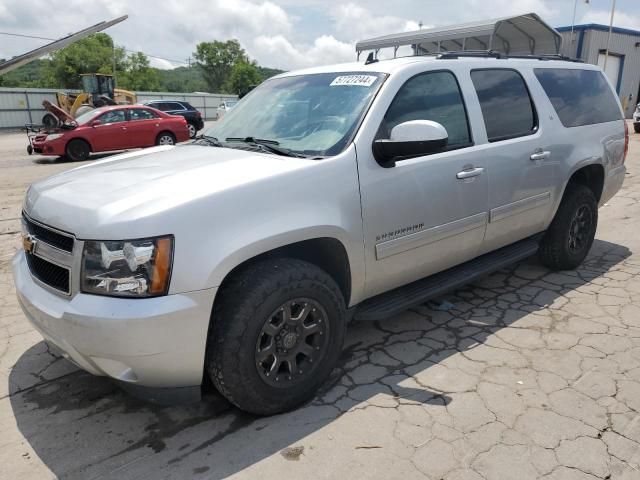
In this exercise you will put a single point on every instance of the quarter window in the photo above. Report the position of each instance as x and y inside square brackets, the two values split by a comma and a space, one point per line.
[579, 97]
[430, 96]
[506, 105]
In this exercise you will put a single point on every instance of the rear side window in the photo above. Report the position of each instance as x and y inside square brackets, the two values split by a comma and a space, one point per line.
[430, 96]
[506, 105]
[580, 97]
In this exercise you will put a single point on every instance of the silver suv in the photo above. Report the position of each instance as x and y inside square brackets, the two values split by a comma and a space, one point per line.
[348, 191]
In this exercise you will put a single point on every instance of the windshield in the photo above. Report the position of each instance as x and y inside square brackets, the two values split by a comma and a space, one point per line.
[314, 114]
[88, 116]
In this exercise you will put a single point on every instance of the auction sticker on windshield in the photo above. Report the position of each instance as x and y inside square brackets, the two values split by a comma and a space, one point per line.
[355, 80]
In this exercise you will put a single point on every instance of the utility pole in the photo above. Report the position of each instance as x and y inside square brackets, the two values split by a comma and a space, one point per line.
[606, 53]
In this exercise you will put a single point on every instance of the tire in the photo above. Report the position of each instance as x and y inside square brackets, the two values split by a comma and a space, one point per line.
[193, 131]
[77, 150]
[636, 128]
[82, 109]
[165, 138]
[249, 322]
[50, 121]
[570, 235]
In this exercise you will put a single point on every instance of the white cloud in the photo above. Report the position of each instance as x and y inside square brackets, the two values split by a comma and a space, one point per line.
[282, 54]
[357, 23]
[621, 19]
[161, 63]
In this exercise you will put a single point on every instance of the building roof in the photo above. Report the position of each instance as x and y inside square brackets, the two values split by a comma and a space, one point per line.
[600, 27]
[522, 34]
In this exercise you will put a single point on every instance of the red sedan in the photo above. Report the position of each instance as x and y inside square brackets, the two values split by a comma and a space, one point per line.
[111, 128]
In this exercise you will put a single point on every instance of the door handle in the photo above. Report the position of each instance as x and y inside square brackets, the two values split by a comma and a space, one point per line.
[472, 172]
[540, 155]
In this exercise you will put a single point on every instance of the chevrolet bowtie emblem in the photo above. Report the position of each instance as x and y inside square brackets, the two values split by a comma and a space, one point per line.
[29, 243]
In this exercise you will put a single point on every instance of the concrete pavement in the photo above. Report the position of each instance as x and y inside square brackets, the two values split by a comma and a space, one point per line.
[526, 374]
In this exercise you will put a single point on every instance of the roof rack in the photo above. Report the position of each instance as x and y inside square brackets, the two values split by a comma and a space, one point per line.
[495, 54]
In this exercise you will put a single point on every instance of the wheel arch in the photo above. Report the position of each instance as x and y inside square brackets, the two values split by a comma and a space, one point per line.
[591, 176]
[327, 253]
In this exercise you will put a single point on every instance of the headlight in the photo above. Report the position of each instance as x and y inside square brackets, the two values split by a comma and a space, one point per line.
[130, 268]
[54, 136]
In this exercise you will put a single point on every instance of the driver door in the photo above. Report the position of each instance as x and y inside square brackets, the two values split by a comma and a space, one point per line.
[111, 133]
[427, 213]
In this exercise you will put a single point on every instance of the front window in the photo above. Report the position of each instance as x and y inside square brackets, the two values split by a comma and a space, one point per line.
[88, 116]
[314, 114]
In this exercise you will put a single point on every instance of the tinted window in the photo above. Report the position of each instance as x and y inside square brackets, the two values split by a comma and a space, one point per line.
[580, 97]
[112, 116]
[505, 102]
[430, 96]
[175, 106]
[141, 114]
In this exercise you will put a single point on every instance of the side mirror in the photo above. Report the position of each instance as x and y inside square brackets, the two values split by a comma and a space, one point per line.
[95, 123]
[410, 139]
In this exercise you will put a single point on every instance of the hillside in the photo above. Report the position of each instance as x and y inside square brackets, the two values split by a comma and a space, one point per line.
[181, 79]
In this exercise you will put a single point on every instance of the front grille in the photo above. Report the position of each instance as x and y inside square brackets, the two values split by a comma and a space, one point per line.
[55, 239]
[49, 273]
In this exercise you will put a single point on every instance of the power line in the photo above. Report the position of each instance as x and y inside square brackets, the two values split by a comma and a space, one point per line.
[125, 49]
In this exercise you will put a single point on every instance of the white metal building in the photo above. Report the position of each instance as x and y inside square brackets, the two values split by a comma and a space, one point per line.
[589, 43]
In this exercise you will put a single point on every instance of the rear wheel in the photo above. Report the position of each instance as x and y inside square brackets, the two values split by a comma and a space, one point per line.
[192, 130]
[77, 150]
[277, 333]
[570, 235]
[165, 138]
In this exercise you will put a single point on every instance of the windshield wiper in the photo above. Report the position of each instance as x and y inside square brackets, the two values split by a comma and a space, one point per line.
[269, 146]
[209, 140]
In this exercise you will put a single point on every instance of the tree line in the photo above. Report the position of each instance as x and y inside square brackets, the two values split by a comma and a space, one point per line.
[219, 67]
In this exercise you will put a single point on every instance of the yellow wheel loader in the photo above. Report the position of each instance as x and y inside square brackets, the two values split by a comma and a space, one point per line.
[98, 90]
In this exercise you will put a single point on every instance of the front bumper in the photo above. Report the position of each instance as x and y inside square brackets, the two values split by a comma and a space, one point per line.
[49, 148]
[153, 342]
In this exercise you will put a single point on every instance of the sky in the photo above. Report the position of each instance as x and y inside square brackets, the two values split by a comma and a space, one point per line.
[286, 34]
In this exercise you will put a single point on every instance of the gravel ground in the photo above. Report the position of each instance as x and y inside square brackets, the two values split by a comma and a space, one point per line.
[529, 374]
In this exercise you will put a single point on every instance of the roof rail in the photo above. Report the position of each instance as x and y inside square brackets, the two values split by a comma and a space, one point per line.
[495, 54]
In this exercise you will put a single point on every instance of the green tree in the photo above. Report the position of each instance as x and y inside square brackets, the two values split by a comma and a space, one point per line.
[94, 54]
[216, 60]
[243, 76]
[138, 75]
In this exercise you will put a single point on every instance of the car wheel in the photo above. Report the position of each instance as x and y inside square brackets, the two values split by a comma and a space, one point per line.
[77, 150]
[569, 237]
[192, 130]
[165, 138]
[277, 332]
[636, 128]
[49, 121]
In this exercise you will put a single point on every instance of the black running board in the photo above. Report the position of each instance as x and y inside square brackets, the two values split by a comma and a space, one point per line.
[395, 301]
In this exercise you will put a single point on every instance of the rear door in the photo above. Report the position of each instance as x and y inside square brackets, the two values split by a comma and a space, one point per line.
[111, 133]
[143, 127]
[522, 164]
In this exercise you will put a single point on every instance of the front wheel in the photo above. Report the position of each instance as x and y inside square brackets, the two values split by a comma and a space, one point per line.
[77, 150]
[570, 235]
[165, 138]
[277, 333]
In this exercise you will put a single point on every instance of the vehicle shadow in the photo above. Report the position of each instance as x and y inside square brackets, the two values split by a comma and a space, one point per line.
[82, 426]
[42, 160]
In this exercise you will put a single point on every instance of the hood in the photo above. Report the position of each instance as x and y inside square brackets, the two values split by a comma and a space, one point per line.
[138, 186]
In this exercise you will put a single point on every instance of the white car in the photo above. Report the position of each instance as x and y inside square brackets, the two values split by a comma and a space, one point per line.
[224, 107]
[338, 192]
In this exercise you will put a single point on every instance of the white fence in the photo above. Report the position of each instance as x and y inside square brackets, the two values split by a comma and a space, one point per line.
[24, 105]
